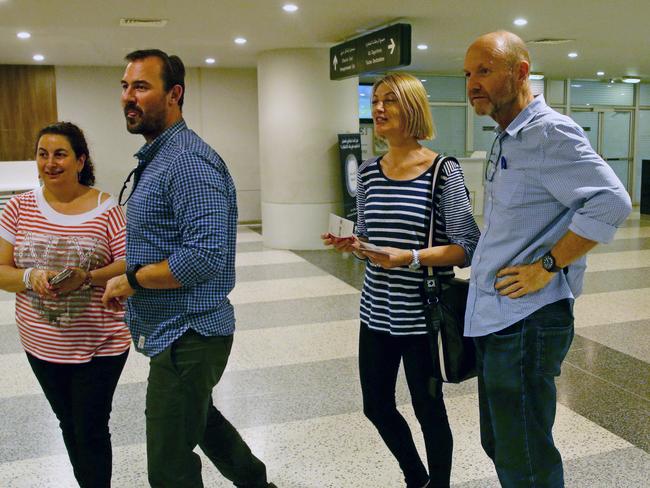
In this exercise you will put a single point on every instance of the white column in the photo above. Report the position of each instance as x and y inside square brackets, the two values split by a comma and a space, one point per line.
[300, 114]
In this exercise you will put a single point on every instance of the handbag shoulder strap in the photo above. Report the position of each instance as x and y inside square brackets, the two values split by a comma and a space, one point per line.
[438, 163]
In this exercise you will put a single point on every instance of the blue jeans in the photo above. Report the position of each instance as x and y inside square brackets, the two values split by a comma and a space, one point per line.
[517, 367]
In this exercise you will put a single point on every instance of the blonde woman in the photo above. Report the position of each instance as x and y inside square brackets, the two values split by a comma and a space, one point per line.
[394, 202]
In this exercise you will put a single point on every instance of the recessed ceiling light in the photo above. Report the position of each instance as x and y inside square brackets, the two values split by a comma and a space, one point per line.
[38, 57]
[23, 35]
[422, 47]
[573, 55]
[536, 76]
[520, 22]
[600, 73]
[210, 60]
[631, 79]
[290, 7]
[240, 40]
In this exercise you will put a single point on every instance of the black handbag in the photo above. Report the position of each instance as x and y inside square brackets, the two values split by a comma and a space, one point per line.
[454, 355]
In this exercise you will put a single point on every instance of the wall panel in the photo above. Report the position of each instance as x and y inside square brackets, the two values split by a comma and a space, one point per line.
[27, 103]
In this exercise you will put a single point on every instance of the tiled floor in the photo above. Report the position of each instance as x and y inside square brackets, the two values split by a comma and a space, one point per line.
[292, 386]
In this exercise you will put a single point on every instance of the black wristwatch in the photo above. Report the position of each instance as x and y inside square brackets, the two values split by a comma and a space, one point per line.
[130, 276]
[548, 263]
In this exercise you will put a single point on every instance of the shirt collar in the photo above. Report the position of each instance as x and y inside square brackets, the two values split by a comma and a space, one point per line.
[149, 150]
[520, 121]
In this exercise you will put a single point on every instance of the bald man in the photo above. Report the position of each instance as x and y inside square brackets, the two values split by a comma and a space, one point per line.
[549, 199]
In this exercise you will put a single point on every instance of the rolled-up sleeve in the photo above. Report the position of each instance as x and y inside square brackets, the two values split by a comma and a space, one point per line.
[456, 210]
[198, 194]
[579, 178]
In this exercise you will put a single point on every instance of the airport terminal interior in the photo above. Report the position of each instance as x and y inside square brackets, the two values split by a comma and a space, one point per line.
[259, 92]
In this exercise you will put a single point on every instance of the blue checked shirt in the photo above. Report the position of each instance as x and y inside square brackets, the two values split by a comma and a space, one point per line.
[183, 209]
[543, 178]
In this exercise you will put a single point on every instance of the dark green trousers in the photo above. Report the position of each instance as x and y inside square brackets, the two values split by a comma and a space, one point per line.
[180, 415]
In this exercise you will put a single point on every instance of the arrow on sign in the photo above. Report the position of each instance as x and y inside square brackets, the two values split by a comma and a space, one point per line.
[391, 46]
[335, 62]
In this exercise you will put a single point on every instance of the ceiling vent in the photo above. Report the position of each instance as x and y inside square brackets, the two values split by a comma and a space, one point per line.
[548, 41]
[143, 22]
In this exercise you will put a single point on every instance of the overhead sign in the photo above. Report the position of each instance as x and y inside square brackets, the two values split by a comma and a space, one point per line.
[380, 50]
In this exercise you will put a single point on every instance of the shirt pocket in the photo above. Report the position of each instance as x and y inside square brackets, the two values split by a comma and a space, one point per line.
[508, 187]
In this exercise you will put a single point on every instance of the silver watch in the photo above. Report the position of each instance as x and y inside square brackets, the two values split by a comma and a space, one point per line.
[415, 262]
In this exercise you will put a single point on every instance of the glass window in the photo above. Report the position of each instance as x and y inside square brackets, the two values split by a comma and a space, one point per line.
[483, 132]
[444, 88]
[450, 127]
[556, 91]
[585, 92]
[644, 99]
[642, 149]
[537, 86]
[365, 102]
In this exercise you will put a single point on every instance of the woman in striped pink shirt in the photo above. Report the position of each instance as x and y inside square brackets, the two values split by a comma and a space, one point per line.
[76, 348]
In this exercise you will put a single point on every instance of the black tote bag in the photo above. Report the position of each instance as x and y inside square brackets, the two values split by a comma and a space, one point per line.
[454, 355]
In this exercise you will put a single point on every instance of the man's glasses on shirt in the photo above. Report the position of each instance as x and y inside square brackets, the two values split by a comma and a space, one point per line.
[492, 162]
[129, 187]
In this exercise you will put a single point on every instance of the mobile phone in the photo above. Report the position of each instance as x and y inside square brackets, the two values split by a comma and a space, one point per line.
[61, 276]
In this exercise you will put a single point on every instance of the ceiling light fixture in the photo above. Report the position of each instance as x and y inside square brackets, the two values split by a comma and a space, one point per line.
[573, 55]
[210, 60]
[600, 73]
[290, 7]
[536, 76]
[520, 22]
[422, 47]
[23, 35]
[240, 40]
[38, 57]
[631, 79]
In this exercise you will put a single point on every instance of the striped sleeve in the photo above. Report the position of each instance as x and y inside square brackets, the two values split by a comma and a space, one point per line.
[117, 233]
[9, 221]
[456, 210]
[362, 230]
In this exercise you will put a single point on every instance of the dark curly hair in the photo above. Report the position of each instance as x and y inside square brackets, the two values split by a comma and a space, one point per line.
[77, 140]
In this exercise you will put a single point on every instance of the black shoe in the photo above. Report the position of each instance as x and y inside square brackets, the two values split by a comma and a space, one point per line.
[272, 485]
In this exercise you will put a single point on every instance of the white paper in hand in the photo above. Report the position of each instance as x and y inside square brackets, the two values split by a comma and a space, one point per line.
[340, 227]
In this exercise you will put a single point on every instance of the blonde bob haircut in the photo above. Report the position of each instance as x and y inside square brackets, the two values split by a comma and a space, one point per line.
[413, 102]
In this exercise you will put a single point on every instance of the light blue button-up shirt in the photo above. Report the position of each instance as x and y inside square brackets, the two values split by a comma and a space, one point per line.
[543, 178]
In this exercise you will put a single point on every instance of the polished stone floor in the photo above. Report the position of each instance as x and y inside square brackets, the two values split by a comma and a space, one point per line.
[292, 385]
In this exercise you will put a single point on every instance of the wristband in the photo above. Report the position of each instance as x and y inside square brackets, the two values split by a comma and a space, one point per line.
[130, 276]
[27, 277]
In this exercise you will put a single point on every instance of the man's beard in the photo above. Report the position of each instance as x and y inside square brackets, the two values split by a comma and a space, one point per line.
[145, 124]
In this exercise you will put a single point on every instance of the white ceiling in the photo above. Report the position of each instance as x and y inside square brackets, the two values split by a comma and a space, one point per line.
[611, 36]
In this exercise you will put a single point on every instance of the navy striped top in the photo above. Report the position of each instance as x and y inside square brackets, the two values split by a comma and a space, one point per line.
[396, 213]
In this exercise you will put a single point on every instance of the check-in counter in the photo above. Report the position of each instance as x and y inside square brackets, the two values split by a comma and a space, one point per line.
[17, 177]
